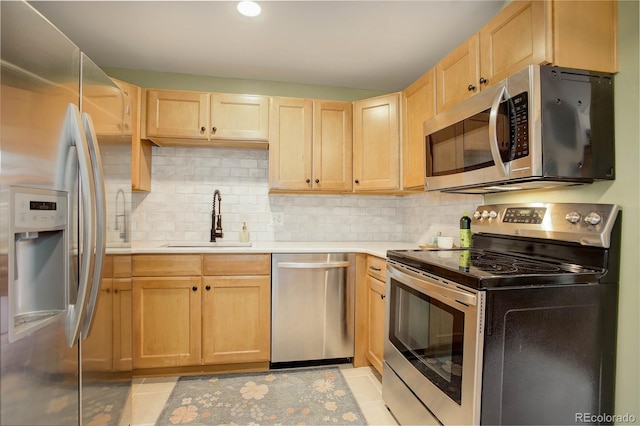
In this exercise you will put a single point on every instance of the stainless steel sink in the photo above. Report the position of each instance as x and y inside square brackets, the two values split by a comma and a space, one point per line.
[205, 244]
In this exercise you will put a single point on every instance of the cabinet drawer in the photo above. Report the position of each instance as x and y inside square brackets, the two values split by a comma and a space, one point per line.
[107, 267]
[122, 266]
[161, 265]
[377, 267]
[236, 264]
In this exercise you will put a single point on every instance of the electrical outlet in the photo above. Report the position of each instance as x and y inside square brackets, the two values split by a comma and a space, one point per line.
[277, 219]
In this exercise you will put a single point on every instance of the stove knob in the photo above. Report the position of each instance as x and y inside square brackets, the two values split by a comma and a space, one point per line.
[477, 215]
[593, 218]
[493, 214]
[573, 217]
[485, 214]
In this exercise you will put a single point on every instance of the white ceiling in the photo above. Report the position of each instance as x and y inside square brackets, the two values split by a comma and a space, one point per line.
[376, 45]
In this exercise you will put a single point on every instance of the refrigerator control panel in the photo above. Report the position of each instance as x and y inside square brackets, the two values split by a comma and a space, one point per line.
[38, 209]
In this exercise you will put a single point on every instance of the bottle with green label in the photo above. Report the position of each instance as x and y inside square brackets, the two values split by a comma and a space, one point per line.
[465, 231]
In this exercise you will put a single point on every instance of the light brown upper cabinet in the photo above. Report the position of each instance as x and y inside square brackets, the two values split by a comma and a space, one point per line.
[457, 74]
[140, 149]
[191, 118]
[376, 144]
[105, 104]
[419, 104]
[566, 33]
[310, 145]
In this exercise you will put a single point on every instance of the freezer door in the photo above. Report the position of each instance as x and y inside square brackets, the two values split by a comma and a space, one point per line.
[312, 307]
[39, 75]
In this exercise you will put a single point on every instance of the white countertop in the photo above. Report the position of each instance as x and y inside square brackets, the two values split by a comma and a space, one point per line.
[376, 248]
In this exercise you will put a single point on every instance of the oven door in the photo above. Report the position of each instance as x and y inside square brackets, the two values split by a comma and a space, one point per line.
[433, 342]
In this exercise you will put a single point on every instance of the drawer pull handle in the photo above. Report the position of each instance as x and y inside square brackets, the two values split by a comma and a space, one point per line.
[373, 268]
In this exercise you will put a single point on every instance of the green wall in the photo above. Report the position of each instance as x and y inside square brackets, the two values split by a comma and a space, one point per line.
[624, 191]
[164, 80]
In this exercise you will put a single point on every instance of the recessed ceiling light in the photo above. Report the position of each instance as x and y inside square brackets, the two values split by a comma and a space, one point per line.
[249, 8]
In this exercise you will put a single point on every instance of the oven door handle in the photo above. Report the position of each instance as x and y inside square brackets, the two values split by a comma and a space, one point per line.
[429, 287]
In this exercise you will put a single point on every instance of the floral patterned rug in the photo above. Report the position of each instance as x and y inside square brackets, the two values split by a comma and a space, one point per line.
[318, 396]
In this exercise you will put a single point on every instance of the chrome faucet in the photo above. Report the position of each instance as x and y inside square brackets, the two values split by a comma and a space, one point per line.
[216, 222]
[123, 228]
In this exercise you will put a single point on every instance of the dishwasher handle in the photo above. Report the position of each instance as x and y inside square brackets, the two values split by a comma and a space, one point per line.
[313, 265]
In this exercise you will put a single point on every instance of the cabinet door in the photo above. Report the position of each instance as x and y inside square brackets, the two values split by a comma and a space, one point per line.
[515, 38]
[97, 349]
[585, 34]
[236, 326]
[239, 117]
[140, 149]
[332, 146]
[419, 105]
[290, 137]
[103, 100]
[458, 74]
[177, 114]
[122, 324]
[375, 319]
[376, 143]
[166, 321]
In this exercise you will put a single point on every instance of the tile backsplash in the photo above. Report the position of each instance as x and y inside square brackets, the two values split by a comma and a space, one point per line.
[179, 206]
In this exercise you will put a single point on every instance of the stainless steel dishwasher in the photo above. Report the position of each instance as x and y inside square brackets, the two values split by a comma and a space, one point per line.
[312, 312]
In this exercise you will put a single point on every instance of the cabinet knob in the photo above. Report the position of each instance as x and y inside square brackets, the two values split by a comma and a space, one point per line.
[214, 129]
[471, 88]
[317, 180]
[382, 296]
[202, 129]
[483, 80]
[194, 288]
[208, 288]
[308, 181]
[357, 181]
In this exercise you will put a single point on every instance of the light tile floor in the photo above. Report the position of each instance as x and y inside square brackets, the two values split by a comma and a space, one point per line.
[151, 394]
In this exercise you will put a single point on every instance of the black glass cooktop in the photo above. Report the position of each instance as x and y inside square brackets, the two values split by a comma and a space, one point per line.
[484, 269]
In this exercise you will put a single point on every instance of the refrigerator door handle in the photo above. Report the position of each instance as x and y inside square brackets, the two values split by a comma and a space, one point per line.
[86, 250]
[100, 222]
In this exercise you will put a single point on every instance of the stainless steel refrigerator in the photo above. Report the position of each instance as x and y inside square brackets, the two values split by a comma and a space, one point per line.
[59, 112]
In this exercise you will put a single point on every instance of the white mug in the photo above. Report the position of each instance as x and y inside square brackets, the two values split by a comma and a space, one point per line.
[445, 242]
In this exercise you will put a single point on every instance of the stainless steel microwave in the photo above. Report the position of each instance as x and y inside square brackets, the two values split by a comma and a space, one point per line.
[542, 127]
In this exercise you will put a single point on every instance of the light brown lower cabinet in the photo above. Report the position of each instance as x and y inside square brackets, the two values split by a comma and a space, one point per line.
[219, 314]
[375, 319]
[166, 318]
[376, 293]
[370, 311]
[108, 346]
[236, 319]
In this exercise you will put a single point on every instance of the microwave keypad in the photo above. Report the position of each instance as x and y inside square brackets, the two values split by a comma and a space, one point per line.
[520, 124]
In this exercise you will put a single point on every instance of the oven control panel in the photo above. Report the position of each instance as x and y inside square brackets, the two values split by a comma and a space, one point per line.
[533, 215]
[583, 223]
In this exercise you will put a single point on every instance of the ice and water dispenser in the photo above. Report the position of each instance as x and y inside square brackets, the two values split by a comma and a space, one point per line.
[38, 259]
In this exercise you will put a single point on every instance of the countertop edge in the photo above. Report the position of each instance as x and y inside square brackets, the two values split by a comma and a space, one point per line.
[375, 248]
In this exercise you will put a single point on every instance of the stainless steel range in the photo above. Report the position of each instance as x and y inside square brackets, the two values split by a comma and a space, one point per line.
[518, 329]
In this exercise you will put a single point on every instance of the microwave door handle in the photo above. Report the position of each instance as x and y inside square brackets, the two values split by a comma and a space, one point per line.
[75, 312]
[493, 131]
[100, 221]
